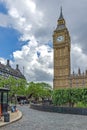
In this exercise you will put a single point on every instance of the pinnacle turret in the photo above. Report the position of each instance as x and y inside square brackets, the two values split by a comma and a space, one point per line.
[61, 14]
[61, 21]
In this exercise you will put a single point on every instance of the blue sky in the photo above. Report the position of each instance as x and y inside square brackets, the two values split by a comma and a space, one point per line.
[26, 29]
[8, 42]
[9, 38]
[19, 28]
[3, 8]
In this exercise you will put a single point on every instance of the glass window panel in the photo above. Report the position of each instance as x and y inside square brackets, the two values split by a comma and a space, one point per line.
[4, 97]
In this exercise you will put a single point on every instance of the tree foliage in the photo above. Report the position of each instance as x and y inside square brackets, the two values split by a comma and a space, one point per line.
[38, 90]
[21, 87]
[69, 96]
[16, 86]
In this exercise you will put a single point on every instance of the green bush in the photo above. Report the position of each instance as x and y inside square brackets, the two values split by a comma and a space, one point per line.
[69, 96]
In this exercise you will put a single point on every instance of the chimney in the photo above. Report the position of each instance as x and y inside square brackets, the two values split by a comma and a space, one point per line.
[17, 67]
[79, 72]
[8, 63]
[73, 73]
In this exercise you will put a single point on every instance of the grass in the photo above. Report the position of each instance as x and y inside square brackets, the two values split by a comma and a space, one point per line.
[81, 105]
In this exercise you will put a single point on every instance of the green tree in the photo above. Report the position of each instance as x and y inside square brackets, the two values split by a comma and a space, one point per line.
[16, 86]
[38, 90]
[69, 96]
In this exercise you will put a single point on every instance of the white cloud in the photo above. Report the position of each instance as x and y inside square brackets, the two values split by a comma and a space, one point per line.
[36, 68]
[78, 58]
[5, 20]
[2, 60]
[35, 20]
[26, 18]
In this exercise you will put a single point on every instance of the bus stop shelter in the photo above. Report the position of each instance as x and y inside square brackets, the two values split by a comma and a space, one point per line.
[3, 100]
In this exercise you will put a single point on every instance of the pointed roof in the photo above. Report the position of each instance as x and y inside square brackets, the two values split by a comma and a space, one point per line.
[79, 71]
[8, 71]
[61, 14]
[61, 21]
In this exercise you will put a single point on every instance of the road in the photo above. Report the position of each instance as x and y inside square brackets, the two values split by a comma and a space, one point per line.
[37, 120]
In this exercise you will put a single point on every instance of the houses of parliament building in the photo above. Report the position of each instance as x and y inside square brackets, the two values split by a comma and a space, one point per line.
[62, 66]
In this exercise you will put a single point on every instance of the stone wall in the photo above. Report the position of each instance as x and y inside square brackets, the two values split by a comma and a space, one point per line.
[65, 110]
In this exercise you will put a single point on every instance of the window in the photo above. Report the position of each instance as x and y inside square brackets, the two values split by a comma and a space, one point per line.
[4, 97]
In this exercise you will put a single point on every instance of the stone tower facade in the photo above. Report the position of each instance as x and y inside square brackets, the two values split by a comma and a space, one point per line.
[62, 67]
[61, 45]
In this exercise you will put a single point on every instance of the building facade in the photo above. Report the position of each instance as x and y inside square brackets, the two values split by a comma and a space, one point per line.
[62, 65]
[7, 70]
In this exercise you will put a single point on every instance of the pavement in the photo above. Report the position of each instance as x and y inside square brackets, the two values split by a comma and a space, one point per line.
[14, 116]
[40, 120]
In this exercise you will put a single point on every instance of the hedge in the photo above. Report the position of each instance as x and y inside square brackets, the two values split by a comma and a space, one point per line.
[69, 96]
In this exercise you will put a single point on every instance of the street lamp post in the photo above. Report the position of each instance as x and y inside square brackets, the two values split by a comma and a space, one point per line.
[15, 99]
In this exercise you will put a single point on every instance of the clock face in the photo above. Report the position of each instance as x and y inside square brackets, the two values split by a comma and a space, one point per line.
[60, 38]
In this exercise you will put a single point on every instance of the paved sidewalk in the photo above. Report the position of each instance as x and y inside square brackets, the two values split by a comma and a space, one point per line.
[13, 117]
[40, 120]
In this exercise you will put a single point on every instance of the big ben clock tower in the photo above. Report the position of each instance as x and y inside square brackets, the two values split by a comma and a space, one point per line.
[61, 46]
